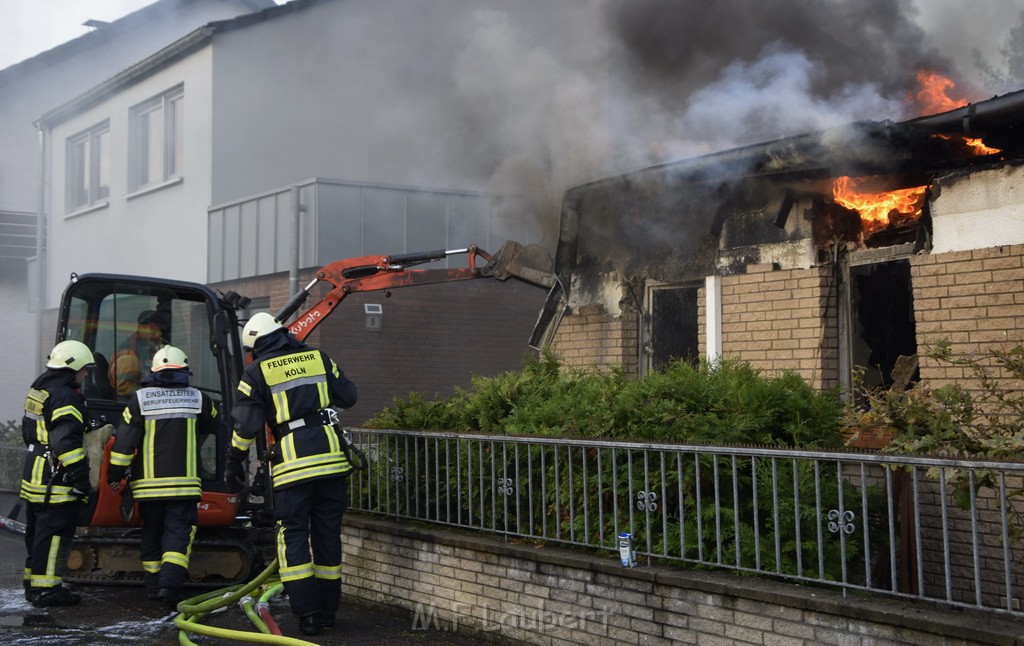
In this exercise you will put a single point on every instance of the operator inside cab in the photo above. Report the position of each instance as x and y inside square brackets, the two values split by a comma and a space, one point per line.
[126, 372]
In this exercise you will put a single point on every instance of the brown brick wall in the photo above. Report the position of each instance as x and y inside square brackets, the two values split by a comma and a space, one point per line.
[780, 320]
[950, 531]
[451, 581]
[434, 337]
[775, 320]
[590, 337]
[974, 299]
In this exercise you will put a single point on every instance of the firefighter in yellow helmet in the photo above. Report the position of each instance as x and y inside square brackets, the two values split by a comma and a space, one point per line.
[291, 387]
[55, 483]
[156, 450]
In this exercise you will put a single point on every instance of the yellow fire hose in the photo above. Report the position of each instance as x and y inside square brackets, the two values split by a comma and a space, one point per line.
[192, 611]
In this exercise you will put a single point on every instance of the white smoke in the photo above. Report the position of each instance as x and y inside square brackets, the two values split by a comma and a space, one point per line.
[768, 98]
[551, 133]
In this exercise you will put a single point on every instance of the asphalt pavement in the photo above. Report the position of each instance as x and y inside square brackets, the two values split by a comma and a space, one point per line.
[111, 615]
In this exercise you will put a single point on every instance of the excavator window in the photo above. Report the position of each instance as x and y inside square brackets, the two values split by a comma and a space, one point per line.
[125, 323]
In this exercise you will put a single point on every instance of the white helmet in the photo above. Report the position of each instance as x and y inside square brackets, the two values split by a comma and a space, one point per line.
[70, 354]
[260, 325]
[169, 358]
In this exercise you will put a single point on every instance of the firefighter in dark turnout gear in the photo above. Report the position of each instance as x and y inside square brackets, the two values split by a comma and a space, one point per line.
[55, 483]
[158, 439]
[291, 387]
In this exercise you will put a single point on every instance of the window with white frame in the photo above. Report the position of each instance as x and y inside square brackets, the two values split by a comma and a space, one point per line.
[88, 168]
[156, 138]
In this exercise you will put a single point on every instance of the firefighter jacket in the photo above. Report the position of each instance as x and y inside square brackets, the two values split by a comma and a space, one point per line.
[53, 427]
[159, 437]
[288, 386]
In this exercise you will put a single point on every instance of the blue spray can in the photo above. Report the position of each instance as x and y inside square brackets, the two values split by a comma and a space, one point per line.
[626, 552]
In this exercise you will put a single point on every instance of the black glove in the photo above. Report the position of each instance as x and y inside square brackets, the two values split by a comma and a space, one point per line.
[116, 474]
[77, 477]
[234, 474]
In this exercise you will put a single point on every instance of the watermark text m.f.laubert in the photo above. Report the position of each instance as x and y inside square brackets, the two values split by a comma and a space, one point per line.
[487, 618]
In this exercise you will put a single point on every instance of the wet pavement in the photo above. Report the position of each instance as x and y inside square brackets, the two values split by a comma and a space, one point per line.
[111, 615]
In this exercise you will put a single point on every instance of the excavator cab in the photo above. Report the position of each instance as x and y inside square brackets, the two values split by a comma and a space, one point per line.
[124, 320]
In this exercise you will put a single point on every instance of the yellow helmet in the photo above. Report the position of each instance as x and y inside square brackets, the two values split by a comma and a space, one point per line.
[70, 354]
[169, 358]
[260, 325]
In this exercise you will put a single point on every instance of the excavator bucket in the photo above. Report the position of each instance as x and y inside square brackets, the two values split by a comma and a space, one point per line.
[526, 262]
[534, 265]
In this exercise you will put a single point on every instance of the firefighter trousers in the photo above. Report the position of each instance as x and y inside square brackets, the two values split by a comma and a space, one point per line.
[49, 530]
[308, 519]
[168, 529]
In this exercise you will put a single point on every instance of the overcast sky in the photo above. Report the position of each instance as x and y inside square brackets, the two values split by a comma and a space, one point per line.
[29, 27]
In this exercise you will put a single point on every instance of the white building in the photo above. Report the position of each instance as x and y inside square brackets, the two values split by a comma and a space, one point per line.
[33, 86]
[165, 168]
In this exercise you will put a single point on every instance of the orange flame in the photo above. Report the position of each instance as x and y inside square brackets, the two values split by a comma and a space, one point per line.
[876, 209]
[933, 97]
[979, 147]
[973, 146]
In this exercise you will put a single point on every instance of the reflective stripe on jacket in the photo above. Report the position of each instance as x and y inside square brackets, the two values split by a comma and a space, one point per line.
[289, 385]
[53, 426]
[158, 437]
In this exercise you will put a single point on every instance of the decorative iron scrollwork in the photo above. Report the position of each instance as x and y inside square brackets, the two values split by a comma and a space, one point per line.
[505, 486]
[834, 526]
[647, 501]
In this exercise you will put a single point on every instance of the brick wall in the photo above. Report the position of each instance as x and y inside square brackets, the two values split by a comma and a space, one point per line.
[974, 299]
[781, 320]
[451, 581]
[773, 319]
[434, 337]
[590, 337]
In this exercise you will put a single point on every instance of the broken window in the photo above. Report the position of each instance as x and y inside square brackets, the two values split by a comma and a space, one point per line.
[881, 320]
[673, 326]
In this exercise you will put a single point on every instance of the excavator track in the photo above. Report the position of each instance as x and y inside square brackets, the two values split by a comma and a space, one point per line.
[217, 560]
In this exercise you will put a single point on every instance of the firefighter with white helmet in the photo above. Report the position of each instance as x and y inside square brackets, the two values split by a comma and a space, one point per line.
[155, 449]
[55, 483]
[291, 387]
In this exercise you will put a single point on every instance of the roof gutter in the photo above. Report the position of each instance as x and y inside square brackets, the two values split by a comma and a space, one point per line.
[972, 120]
[147, 66]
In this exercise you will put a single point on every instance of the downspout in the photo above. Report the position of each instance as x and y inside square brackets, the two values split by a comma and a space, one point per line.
[293, 269]
[998, 112]
[40, 295]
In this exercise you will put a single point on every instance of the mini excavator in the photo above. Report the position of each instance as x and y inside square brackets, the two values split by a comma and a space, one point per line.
[235, 538]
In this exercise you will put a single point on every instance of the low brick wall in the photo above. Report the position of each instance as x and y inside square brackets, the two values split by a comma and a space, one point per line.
[454, 581]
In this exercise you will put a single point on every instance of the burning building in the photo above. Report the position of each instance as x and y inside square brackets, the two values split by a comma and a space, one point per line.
[815, 253]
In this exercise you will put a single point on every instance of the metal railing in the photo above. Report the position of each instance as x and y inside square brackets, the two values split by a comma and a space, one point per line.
[12, 462]
[941, 530]
[933, 529]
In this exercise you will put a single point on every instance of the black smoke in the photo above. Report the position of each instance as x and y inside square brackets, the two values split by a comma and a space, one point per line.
[675, 47]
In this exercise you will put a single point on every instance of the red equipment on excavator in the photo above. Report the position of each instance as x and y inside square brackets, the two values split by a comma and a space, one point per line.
[108, 312]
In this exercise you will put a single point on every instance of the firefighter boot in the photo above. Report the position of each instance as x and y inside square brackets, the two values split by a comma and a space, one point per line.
[30, 592]
[55, 596]
[310, 624]
[152, 586]
[326, 620]
[171, 596]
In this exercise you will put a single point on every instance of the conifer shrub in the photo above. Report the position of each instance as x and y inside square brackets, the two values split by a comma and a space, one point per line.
[584, 493]
[728, 402]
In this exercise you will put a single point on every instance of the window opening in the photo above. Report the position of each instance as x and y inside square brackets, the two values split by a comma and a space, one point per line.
[882, 323]
[673, 326]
